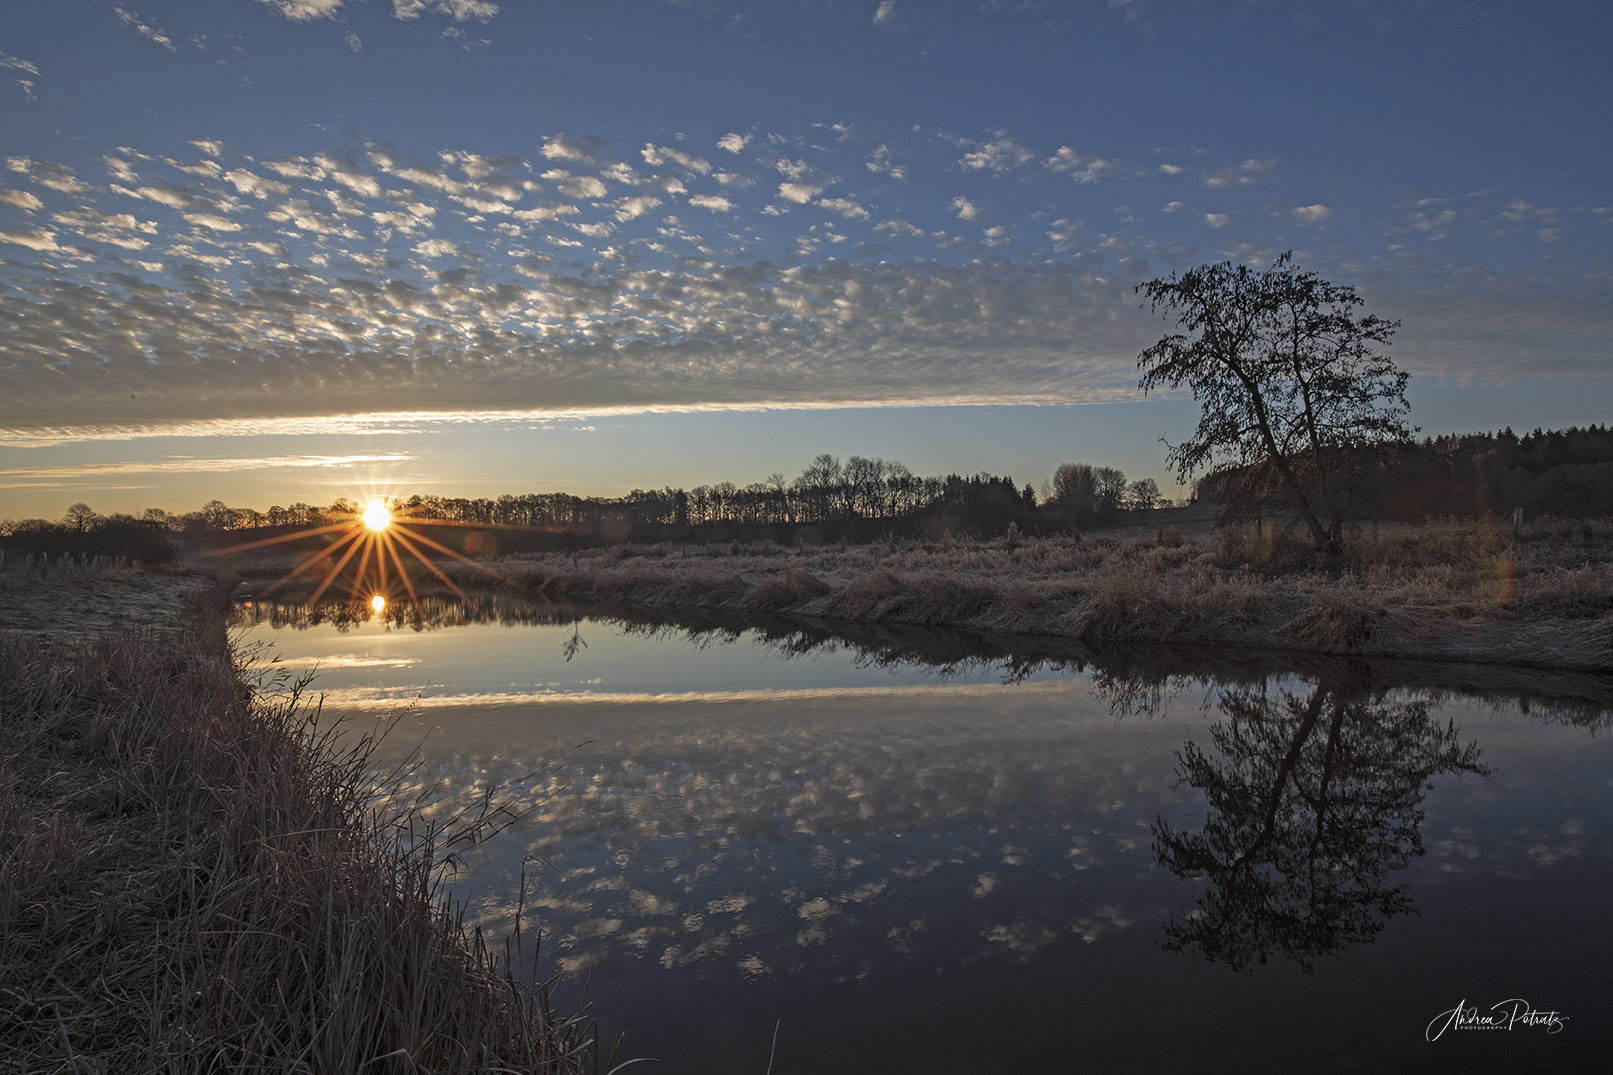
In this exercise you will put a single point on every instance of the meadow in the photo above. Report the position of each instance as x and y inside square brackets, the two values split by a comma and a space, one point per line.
[1540, 595]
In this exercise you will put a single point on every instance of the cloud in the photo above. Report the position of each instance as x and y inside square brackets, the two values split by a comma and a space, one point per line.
[733, 142]
[255, 185]
[290, 342]
[458, 10]
[1228, 176]
[212, 221]
[880, 163]
[885, 13]
[799, 171]
[799, 193]
[1065, 233]
[354, 42]
[581, 186]
[713, 202]
[1000, 155]
[633, 208]
[349, 176]
[49, 174]
[305, 10]
[20, 199]
[69, 473]
[145, 30]
[121, 230]
[32, 238]
[14, 64]
[655, 156]
[1312, 214]
[846, 207]
[1436, 225]
[248, 288]
[437, 248]
[1082, 169]
[582, 149]
[164, 194]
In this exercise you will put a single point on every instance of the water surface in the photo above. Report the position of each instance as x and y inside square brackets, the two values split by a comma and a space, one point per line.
[920, 852]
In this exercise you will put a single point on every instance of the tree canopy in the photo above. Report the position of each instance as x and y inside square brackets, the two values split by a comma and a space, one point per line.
[1296, 395]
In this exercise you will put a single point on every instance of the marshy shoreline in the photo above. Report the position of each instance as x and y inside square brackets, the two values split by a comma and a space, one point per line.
[193, 876]
[1483, 592]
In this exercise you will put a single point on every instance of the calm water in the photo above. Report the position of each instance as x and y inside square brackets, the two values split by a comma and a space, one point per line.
[935, 854]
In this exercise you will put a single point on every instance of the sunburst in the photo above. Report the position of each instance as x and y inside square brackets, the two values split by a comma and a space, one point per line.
[380, 535]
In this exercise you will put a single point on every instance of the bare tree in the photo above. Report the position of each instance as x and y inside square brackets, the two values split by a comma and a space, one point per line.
[80, 517]
[1111, 490]
[1142, 494]
[1075, 492]
[1294, 392]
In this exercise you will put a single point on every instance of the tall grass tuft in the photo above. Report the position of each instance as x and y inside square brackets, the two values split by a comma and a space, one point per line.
[192, 880]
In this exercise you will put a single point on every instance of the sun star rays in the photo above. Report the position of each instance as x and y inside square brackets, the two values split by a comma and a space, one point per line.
[379, 536]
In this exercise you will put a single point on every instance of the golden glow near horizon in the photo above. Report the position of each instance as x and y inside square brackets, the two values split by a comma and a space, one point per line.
[381, 541]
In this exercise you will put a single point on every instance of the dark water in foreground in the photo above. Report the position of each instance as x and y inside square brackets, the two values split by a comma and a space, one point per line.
[921, 852]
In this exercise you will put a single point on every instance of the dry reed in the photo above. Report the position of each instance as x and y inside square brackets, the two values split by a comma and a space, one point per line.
[192, 879]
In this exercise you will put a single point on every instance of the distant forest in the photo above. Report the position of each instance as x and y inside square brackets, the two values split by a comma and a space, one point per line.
[1564, 473]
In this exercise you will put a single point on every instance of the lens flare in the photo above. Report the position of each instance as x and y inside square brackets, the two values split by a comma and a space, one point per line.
[377, 517]
[378, 603]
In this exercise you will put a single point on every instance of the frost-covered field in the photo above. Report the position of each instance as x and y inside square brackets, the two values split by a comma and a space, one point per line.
[1543, 596]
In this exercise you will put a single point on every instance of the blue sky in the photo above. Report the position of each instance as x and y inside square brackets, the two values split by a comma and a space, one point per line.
[277, 250]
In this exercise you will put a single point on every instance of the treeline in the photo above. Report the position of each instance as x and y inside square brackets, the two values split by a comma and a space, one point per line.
[1566, 473]
[82, 534]
[857, 500]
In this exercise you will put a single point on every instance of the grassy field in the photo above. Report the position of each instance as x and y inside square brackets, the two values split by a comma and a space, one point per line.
[1542, 596]
[192, 878]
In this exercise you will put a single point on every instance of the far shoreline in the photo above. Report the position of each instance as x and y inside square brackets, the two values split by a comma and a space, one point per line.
[1539, 596]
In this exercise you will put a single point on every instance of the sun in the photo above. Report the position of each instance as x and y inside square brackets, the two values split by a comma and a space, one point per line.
[381, 538]
[376, 516]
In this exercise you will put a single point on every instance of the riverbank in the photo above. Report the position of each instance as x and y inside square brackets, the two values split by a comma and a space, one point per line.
[191, 874]
[1540, 596]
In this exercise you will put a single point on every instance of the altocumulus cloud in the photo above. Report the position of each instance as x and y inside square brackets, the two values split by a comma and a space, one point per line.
[358, 278]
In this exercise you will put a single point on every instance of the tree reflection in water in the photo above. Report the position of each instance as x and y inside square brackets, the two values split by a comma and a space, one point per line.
[1314, 803]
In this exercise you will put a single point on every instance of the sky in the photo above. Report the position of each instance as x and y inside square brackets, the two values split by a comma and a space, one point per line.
[269, 251]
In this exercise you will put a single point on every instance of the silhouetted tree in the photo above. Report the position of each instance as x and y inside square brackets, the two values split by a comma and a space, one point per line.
[1111, 491]
[1142, 494]
[80, 517]
[1075, 492]
[1293, 390]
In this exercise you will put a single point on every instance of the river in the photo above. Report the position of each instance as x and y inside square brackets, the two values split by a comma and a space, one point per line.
[765, 846]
